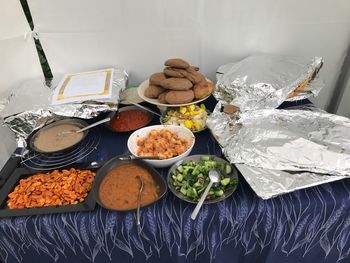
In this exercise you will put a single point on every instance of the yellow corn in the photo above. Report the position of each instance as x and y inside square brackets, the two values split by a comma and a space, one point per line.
[182, 110]
[197, 125]
[188, 124]
[201, 110]
[191, 107]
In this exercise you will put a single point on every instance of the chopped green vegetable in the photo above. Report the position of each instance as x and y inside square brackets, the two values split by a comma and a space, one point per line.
[192, 177]
[197, 185]
[179, 177]
[183, 190]
[219, 193]
[225, 181]
[228, 169]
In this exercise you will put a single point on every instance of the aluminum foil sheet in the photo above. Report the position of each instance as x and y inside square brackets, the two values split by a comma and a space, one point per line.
[28, 107]
[292, 140]
[263, 82]
[311, 90]
[271, 183]
[249, 149]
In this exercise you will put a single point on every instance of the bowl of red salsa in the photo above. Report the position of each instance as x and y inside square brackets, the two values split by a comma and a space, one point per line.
[129, 118]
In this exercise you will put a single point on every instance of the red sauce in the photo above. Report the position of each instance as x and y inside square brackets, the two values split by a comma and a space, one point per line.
[129, 120]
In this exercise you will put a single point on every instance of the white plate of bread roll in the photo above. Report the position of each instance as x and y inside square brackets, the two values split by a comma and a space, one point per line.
[179, 84]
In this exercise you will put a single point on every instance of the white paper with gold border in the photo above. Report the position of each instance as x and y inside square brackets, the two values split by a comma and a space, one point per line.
[79, 87]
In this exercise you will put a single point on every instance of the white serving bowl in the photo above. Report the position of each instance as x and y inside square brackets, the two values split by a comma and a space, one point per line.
[182, 132]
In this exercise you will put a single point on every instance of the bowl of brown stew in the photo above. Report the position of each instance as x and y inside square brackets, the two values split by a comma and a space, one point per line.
[58, 136]
[116, 184]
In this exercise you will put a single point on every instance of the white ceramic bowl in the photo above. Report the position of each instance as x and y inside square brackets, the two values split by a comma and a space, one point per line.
[182, 132]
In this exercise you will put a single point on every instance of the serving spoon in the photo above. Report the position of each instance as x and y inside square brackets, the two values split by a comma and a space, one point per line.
[85, 128]
[214, 178]
[144, 108]
[131, 157]
[139, 200]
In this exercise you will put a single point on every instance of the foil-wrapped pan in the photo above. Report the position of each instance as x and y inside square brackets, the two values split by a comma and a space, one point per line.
[268, 183]
[265, 81]
[28, 107]
[247, 138]
[292, 140]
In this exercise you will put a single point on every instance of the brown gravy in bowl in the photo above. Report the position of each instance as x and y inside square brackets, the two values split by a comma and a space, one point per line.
[119, 189]
[54, 139]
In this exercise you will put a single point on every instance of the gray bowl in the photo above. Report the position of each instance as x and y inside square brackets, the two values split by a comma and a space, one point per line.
[117, 161]
[79, 123]
[232, 175]
[112, 114]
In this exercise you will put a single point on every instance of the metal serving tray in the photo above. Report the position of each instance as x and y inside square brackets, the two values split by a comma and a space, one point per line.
[20, 173]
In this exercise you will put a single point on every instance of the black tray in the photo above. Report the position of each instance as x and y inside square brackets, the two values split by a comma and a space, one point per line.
[20, 173]
[8, 169]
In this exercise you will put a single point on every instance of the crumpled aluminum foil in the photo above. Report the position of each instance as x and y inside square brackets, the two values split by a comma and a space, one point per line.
[311, 90]
[292, 140]
[264, 146]
[268, 183]
[262, 82]
[28, 107]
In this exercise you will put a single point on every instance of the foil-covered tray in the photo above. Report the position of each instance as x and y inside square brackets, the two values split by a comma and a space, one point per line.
[28, 107]
[268, 183]
[265, 81]
[280, 151]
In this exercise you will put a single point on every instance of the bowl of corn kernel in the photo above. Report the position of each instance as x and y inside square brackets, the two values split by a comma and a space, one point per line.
[193, 117]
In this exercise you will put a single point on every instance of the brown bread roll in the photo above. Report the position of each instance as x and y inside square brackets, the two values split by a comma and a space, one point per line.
[179, 97]
[194, 76]
[157, 78]
[175, 72]
[230, 109]
[161, 97]
[176, 84]
[190, 73]
[153, 91]
[177, 63]
[203, 89]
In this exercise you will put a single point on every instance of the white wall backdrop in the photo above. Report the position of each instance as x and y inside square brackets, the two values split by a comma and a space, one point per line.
[18, 56]
[18, 61]
[140, 35]
[344, 107]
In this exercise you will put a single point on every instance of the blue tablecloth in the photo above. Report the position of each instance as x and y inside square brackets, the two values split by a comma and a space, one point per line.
[311, 225]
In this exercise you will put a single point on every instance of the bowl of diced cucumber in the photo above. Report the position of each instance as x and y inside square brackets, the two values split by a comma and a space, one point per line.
[188, 178]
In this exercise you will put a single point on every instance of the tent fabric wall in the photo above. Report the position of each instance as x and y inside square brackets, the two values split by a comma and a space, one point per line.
[19, 62]
[140, 35]
[19, 59]
[344, 107]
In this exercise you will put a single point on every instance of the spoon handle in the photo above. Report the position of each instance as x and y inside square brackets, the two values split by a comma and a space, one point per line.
[139, 201]
[144, 108]
[131, 157]
[201, 200]
[138, 210]
[94, 124]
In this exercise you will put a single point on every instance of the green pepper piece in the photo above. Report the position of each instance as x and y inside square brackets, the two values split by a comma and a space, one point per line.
[183, 190]
[219, 193]
[180, 168]
[179, 177]
[225, 181]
